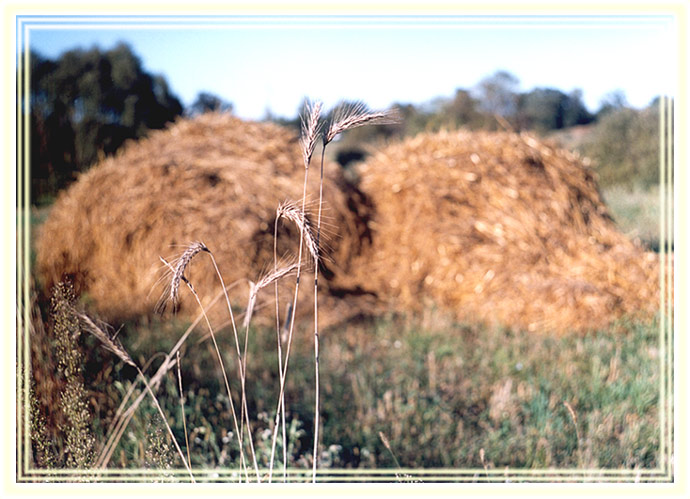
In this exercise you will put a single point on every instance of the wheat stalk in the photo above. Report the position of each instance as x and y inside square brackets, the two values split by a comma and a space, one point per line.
[179, 274]
[122, 416]
[184, 418]
[309, 137]
[114, 346]
[345, 117]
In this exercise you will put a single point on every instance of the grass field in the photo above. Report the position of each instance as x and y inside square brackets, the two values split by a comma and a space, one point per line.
[399, 393]
[637, 213]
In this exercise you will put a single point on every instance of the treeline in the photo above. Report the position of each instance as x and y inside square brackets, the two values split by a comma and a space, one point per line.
[622, 141]
[85, 104]
[494, 103]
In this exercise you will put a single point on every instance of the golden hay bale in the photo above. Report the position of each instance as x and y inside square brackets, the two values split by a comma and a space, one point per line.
[499, 228]
[215, 179]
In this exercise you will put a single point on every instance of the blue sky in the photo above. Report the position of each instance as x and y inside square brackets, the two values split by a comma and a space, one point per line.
[272, 63]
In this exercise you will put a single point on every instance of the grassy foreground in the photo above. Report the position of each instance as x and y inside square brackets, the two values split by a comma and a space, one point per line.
[396, 393]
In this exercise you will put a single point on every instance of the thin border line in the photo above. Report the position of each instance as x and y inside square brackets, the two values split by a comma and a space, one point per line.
[20, 251]
[662, 262]
[671, 263]
[24, 223]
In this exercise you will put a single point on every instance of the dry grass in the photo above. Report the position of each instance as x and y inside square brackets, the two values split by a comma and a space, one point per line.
[214, 178]
[500, 228]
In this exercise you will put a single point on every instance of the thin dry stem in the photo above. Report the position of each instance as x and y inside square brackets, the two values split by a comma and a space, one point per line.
[574, 417]
[184, 418]
[162, 414]
[283, 373]
[220, 358]
[116, 347]
[227, 384]
[123, 417]
[241, 363]
[280, 360]
[316, 330]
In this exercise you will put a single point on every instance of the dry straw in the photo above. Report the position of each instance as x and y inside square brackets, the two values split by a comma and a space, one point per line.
[214, 178]
[496, 227]
[500, 228]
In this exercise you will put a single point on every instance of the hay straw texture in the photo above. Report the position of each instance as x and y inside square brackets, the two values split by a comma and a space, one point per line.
[499, 228]
[215, 179]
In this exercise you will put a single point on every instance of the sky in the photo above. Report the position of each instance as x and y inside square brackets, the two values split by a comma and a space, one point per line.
[271, 64]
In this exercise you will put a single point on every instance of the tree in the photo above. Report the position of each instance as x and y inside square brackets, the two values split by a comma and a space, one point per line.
[625, 146]
[542, 109]
[612, 101]
[207, 102]
[460, 111]
[498, 94]
[86, 104]
[575, 112]
[547, 109]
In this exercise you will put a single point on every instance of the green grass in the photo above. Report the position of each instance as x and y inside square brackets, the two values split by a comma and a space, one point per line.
[440, 392]
[637, 213]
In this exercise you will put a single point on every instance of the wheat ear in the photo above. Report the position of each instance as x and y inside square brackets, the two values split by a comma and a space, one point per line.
[349, 116]
[177, 269]
[291, 211]
[266, 280]
[311, 129]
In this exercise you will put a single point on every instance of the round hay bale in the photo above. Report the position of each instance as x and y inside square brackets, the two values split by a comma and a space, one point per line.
[214, 179]
[499, 228]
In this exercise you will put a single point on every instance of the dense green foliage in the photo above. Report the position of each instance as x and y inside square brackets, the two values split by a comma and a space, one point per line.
[624, 144]
[86, 104]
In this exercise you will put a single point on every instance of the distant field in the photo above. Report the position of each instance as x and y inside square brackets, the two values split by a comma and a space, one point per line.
[637, 213]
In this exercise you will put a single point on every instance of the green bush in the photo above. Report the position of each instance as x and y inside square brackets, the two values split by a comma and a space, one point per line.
[624, 145]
